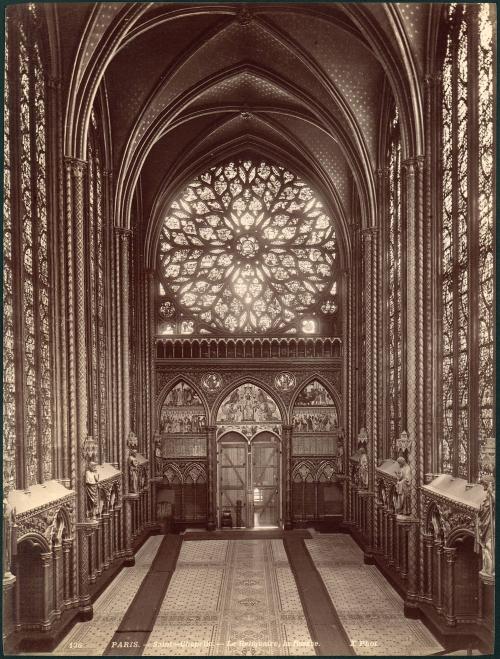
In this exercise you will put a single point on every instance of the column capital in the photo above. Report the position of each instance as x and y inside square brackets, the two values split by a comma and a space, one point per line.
[369, 231]
[450, 554]
[383, 173]
[53, 82]
[46, 558]
[431, 79]
[76, 166]
[123, 232]
[412, 164]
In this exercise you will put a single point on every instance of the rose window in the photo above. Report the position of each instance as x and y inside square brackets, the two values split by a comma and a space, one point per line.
[248, 247]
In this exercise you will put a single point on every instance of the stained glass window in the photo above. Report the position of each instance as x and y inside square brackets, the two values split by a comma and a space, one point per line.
[466, 240]
[486, 271]
[394, 326]
[28, 392]
[248, 247]
[96, 286]
[9, 381]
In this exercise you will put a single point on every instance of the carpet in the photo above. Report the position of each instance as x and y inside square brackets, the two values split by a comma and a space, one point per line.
[92, 638]
[370, 610]
[136, 625]
[231, 598]
[324, 624]
[244, 534]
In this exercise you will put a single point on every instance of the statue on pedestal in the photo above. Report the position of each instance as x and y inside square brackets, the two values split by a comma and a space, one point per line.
[403, 499]
[9, 539]
[158, 458]
[485, 531]
[340, 453]
[363, 468]
[133, 472]
[92, 490]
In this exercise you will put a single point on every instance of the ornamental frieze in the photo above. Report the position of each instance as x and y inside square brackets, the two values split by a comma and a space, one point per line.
[41, 520]
[212, 386]
[453, 515]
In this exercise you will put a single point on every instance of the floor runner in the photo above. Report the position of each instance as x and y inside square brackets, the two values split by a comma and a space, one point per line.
[370, 610]
[231, 597]
[244, 534]
[324, 624]
[92, 638]
[137, 624]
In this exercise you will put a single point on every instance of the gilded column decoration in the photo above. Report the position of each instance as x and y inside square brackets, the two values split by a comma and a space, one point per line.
[46, 559]
[124, 241]
[120, 437]
[212, 475]
[66, 547]
[149, 370]
[429, 547]
[413, 170]
[430, 255]
[450, 554]
[287, 474]
[370, 283]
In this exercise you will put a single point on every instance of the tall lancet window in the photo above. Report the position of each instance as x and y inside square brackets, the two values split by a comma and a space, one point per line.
[394, 283]
[96, 288]
[28, 387]
[466, 240]
[486, 271]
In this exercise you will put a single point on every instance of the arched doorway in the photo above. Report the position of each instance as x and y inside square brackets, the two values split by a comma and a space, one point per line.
[248, 459]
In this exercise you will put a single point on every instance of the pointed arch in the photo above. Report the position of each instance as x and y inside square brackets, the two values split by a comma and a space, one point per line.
[330, 388]
[225, 393]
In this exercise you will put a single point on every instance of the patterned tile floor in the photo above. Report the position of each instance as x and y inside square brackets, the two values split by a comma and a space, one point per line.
[230, 598]
[91, 638]
[370, 610]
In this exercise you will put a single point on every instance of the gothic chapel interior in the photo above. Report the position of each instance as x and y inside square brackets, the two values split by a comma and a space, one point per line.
[248, 265]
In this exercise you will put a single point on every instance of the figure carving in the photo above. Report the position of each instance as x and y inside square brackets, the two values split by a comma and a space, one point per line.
[363, 468]
[9, 538]
[485, 530]
[403, 500]
[158, 460]
[133, 471]
[340, 454]
[92, 490]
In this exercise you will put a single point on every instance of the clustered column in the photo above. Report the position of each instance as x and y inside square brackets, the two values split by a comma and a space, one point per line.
[370, 256]
[212, 475]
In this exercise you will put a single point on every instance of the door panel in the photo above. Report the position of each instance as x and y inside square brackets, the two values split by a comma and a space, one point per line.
[232, 479]
[265, 484]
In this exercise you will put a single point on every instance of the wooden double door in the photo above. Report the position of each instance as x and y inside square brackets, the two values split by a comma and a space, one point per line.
[249, 473]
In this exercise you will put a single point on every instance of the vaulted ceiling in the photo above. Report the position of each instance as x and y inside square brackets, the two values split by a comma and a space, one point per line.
[189, 84]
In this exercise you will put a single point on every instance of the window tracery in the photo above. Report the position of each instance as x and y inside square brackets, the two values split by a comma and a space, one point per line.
[27, 395]
[249, 247]
[466, 240]
[96, 284]
[394, 281]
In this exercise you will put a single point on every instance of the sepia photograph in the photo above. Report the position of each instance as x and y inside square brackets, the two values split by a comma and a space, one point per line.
[248, 329]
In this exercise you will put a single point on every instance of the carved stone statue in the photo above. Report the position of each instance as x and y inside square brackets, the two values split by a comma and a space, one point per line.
[133, 472]
[158, 460]
[9, 539]
[485, 531]
[340, 456]
[92, 490]
[363, 468]
[403, 500]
